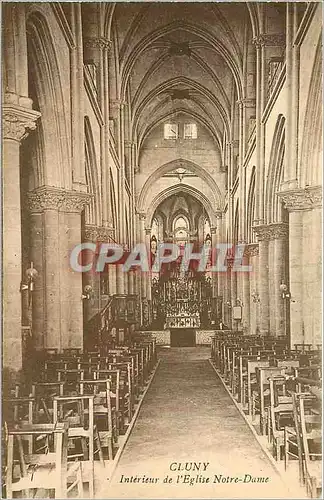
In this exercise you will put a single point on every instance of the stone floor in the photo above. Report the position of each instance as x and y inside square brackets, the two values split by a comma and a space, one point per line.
[188, 420]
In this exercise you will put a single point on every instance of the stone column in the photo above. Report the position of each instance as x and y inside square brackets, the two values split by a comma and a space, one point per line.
[57, 217]
[131, 276]
[260, 84]
[16, 123]
[263, 236]
[142, 237]
[230, 289]
[253, 252]
[245, 279]
[299, 203]
[112, 280]
[272, 287]
[215, 276]
[120, 279]
[149, 274]
[292, 99]
[278, 248]
[92, 277]
[313, 263]
[77, 100]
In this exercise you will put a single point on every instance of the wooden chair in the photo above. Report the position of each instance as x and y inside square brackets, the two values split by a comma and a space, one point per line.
[78, 411]
[280, 412]
[19, 411]
[44, 392]
[48, 470]
[126, 393]
[261, 394]
[104, 417]
[311, 432]
[115, 383]
[71, 378]
[249, 382]
[51, 367]
[293, 447]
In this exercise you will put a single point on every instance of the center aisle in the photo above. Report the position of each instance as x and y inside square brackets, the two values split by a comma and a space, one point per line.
[188, 421]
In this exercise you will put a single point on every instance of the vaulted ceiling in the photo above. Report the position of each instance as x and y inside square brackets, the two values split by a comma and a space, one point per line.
[181, 57]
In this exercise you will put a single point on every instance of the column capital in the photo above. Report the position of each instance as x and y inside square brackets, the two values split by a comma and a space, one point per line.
[302, 199]
[270, 40]
[247, 102]
[251, 250]
[117, 104]
[52, 198]
[148, 231]
[97, 233]
[213, 230]
[97, 43]
[272, 231]
[17, 121]
[141, 215]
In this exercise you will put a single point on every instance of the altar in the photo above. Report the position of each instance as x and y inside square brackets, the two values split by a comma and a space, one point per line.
[183, 321]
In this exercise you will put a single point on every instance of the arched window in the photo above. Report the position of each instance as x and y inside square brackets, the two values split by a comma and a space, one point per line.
[190, 131]
[181, 229]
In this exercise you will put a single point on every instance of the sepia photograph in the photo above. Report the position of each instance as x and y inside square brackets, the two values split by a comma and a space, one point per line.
[161, 249]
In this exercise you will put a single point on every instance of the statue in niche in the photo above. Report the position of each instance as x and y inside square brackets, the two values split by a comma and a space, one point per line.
[208, 250]
[153, 249]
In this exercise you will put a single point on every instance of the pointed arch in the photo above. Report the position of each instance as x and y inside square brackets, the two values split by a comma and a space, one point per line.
[93, 210]
[54, 130]
[183, 188]
[275, 173]
[251, 208]
[167, 167]
[113, 204]
[236, 223]
[312, 144]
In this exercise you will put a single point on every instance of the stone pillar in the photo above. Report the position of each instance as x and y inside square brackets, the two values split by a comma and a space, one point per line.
[263, 277]
[142, 237]
[313, 285]
[131, 276]
[260, 84]
[92, 277]
[120, 279]
[272, 288]
[112, 280]
[292, 99]
[149, 274]
[278, 274]
[77, 100]
[245, 278]
[253, 251]
[304, 266]
[215, 276]
[231, 292]
[96, 50]
[57, 217]
[16, 123]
